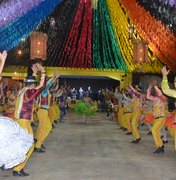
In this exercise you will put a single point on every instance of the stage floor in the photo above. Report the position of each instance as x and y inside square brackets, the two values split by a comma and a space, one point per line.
[98, 150]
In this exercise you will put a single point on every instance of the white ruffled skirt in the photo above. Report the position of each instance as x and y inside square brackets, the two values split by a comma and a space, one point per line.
[15, 142]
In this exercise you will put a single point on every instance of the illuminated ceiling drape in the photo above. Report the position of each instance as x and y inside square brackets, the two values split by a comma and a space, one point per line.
[87, 38]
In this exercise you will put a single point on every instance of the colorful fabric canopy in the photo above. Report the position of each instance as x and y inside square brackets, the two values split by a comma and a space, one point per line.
[85, 36]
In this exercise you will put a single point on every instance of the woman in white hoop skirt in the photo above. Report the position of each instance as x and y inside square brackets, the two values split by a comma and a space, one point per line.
[15, 142]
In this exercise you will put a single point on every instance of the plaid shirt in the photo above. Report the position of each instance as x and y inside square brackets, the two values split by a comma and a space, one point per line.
[25, 103]
[44, 101]
[46, 96]
[26, 109]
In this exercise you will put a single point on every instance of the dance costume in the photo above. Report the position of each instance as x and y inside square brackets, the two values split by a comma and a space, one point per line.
[159, 114]
[86, 108]
[136, 105]
[120, 110]
[15, 143]
[45, 125]
[172, 93]
[127, 113]
[24, 112]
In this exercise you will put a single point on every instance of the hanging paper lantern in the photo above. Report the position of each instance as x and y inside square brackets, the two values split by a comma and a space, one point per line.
[38, 45]
[140, 52]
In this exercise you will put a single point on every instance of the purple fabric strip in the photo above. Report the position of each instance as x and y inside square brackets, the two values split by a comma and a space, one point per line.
[171, 2]
[12, 9]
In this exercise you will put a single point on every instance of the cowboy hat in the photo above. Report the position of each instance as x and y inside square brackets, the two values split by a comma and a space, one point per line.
[30, 79]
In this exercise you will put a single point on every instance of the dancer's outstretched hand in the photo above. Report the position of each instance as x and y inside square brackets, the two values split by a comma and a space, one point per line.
[3, 56]
[164, 71]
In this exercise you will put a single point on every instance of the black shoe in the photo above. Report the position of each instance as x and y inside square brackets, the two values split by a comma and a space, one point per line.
[162, 151]
[3, 167]
[165, 142]
[159, 150]
[124, 129]
[43, 147]
[128, 133]
[136, 141]
[32, 124]
[133, 141]
[149, 133]
[39, 150]
[20, 173]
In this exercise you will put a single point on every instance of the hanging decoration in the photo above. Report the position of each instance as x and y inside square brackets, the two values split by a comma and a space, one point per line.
[38, 45]
[106, 53]
[12, 9]
[160, 39]
[96, 58]
[121, 22]
[140, 51]
[131, 32]
[68, 52]
[77, 42]
[120, 26]
[52, 23]
[83, 56]
[57, 35]
[62, 28]
[77, 51]
[162, 11]
[12, 34]
[94, 4]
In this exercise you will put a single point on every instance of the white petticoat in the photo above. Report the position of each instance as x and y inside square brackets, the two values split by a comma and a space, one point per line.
[15, 142]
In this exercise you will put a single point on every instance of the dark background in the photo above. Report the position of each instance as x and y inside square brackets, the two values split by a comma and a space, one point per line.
[95, 83]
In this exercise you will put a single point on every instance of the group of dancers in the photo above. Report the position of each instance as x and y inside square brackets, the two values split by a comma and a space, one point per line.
[150, 108]
[17, 138]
